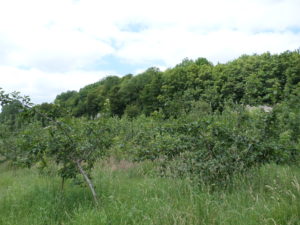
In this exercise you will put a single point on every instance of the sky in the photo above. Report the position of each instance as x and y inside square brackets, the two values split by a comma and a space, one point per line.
[51, 46]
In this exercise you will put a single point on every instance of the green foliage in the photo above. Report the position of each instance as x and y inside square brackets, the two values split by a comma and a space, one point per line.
[268, 195]
[10, 114]
[264, 79]
[132, 111]
[74, 144]
[212, 147]
[196, 120]
[195, 141]
[47, 112]
[77, 140]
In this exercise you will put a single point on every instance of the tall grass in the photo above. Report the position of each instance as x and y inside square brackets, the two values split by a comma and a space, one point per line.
[129, 194]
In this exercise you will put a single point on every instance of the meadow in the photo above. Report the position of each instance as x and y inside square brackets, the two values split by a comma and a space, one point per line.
[130, 194]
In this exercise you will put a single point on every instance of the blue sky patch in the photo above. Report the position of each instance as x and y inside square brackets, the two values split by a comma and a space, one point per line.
[134, 27]
[294, 29]
[121, 67]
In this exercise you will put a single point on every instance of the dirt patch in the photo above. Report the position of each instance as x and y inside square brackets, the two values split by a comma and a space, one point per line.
[114, 164]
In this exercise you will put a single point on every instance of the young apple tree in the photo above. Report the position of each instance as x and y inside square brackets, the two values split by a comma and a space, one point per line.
[74, 144]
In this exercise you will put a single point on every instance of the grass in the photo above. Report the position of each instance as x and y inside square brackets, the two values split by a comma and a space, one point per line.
[129, 194]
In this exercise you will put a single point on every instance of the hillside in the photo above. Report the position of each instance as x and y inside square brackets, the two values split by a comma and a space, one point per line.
[264, 79]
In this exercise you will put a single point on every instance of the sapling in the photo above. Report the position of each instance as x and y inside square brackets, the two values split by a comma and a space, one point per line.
[74, 144]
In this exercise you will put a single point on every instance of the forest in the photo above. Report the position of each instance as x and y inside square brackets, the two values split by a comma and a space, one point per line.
[195, 144]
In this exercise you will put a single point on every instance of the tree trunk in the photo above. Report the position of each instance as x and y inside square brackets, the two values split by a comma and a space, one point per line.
[89, 182]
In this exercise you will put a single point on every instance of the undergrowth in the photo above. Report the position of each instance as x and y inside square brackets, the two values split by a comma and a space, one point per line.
[131, 194]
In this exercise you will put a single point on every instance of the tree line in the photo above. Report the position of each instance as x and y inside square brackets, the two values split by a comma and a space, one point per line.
[265, 79]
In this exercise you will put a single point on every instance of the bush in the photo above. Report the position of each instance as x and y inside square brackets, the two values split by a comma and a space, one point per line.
[230, 143]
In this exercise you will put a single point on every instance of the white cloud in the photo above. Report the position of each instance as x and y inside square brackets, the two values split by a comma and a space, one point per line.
[57, 39]
[218, 46]
[42, 86]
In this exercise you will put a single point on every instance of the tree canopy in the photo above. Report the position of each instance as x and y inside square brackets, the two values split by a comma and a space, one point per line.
[264, 79]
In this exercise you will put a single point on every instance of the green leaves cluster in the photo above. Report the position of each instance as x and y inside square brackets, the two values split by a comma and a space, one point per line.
[73, 144]
[77, 140]
[264, 79]
[214, 146]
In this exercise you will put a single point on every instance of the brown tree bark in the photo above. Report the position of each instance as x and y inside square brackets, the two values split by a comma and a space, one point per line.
[88, 181]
